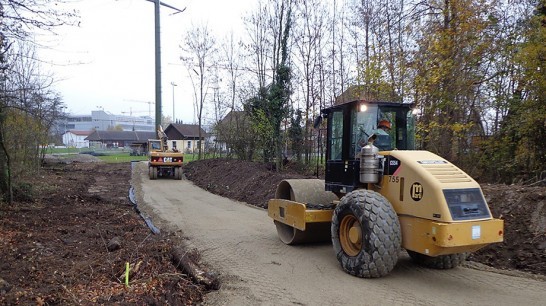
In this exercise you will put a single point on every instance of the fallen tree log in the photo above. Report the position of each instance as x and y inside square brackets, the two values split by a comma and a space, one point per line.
[184, 260]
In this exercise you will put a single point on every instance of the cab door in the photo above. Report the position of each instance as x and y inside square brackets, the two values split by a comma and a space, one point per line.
[342, 170]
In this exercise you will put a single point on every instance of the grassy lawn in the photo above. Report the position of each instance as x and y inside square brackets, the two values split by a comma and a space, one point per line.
[189, 157]
[121, 158]
[63, 150]
[125, 158]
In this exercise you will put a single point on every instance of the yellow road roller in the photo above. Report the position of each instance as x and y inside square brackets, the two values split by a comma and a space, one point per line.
[380, 195]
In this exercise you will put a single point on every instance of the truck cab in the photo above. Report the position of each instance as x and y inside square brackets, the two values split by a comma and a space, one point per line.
[354, 124]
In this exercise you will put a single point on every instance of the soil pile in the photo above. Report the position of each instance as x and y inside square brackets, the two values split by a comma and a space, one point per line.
[70, 243]
[522, 208]
[251, 182]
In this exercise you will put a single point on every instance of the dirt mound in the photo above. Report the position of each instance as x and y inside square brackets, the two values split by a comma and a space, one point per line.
[71, 243]
[522, 208]
[70, 158]
[245, 181]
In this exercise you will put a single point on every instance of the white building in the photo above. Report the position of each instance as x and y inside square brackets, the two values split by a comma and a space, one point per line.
[76, 139]
[103, 121]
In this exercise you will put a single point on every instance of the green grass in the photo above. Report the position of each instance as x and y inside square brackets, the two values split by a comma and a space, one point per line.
[121, 158]
[125, 158]
[63, 150]
[188, 157]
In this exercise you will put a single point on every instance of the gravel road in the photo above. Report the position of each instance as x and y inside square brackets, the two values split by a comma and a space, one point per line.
[240, 242]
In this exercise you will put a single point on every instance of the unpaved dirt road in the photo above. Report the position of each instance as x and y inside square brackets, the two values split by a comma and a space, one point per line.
[240, 243]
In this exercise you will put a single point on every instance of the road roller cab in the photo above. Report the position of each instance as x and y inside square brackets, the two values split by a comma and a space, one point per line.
[380, 195]
[351, 126]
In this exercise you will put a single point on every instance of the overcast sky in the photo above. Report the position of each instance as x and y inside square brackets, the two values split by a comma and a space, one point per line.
[108, 60]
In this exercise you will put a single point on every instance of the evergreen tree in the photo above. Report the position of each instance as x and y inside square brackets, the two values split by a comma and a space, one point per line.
[271, 106]
[295, 135]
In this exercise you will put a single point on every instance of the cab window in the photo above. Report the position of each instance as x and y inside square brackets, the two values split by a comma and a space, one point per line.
[363, 125]
[336, 135]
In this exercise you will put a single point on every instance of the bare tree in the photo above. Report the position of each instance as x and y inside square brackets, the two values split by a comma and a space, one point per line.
[25, 94]
[343, 55]
[232, 63]
[259, 43]
[230, 131]
[21, 17]
[200, 47]
[309, 34]
[28, 109]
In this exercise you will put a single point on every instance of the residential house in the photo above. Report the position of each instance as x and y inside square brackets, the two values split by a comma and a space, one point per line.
[234, 135]
[185, 137]
[76, 139]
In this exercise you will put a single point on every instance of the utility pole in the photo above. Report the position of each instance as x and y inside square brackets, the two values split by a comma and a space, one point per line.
[157, 4]
[157, 67]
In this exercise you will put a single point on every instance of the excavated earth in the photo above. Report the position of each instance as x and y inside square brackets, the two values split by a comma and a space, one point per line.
[68, 238]
[72, 230]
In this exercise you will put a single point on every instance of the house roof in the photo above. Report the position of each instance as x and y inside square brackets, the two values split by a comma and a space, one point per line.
[354, 92]
[121, 136]
[186, 130]
[80, 133]
[233, 116]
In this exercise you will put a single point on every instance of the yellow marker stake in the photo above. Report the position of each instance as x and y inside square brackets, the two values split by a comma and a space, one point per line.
[127, 274]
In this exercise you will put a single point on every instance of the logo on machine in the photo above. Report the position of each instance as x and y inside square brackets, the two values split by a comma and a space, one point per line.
[392, 165]
[416, 191]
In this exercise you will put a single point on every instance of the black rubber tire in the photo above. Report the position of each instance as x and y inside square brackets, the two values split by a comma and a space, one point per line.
[152, 172]
[380, 232]
[442, 262]
[177, 173]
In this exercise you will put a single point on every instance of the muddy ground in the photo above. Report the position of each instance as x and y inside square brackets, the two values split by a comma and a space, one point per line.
[522, 208]
[55, 239]
[58, 244]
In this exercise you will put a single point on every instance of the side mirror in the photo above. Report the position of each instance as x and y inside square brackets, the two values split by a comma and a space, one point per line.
[317, 122]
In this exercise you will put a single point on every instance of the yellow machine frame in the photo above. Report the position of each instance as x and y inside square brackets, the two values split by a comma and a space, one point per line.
[420, 231]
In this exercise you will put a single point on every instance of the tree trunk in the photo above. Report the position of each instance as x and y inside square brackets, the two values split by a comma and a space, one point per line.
[5, 167]
[182, 260]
